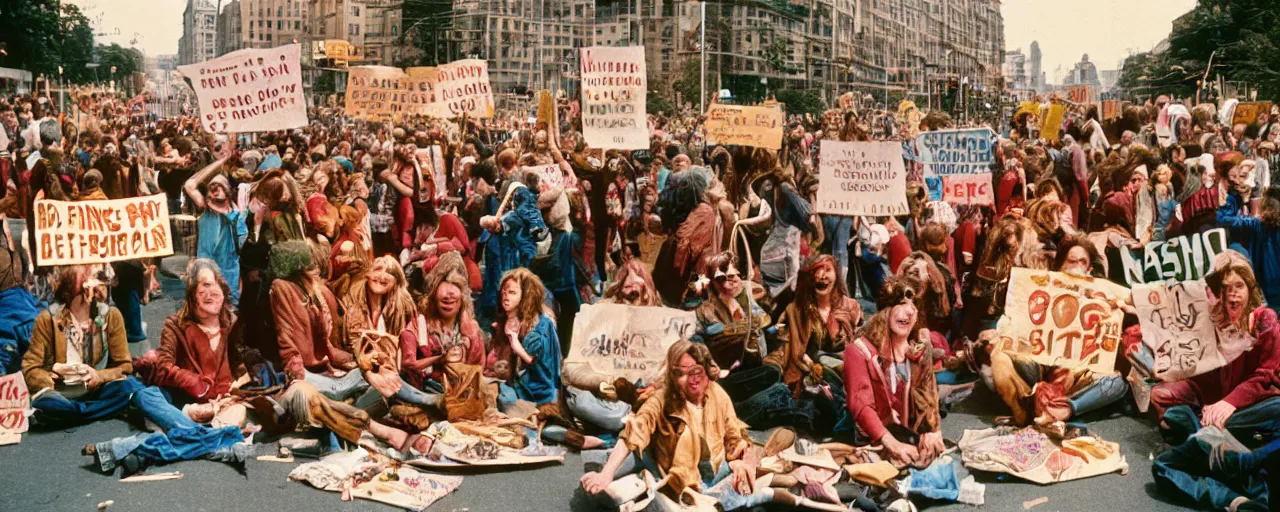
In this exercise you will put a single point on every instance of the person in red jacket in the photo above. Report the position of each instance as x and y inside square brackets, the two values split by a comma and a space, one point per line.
[437, 234]
[1237, 390]
[889, 380]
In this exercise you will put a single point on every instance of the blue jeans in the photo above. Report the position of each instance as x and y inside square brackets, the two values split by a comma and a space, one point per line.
[183, 438]
[55, 410]
[721, 488]
[411, 395]
[1253, 425]
[591, 409]
[1202, 471]
[350, 385]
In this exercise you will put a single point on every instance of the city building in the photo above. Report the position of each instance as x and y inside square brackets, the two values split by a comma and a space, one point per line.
[261, 24]
[529, 44]
[199, 39]
[337, 19]
[384, 25]
[1083, 73]
[1037, 73]
[167, 62]
[1015, 71]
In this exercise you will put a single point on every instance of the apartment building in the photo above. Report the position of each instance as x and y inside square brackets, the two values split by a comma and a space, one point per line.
[261, 24]
[199, 38]
[337, 19]
[383, 30]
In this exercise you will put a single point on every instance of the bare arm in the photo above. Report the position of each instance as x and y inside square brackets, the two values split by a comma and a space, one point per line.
[192, 186]
[395, 183]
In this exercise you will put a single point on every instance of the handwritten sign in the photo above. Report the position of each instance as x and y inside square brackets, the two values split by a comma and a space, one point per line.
[375, 92]
[463, 87]
[549, 176]
[614, 89]
[69, 233]
[759, 127]
[968, 189]
[1178, 328]
[949, 152]
[250, 90]
[1247, 112]
[1082, 94]
[1180, 259]
[1052, 122]
[862, 178]
[14, 402]
[1063, 320]
[628, 341]
[546, 107]
[1111, 109]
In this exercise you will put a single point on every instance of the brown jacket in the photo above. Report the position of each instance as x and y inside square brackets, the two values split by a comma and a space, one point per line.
[678, 446]
[188, 363]
[307, 330]
[789, 357]
[107, 346]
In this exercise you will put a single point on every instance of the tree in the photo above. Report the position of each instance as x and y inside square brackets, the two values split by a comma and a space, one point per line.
[75, 45]
[29, 31]
[689, 82]
[125, 61]
[426, 25]
[801, 102]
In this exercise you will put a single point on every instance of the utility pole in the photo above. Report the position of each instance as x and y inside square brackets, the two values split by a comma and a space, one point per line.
[702, 46]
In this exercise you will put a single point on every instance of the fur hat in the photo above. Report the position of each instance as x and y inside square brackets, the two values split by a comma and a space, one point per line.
[896, 290]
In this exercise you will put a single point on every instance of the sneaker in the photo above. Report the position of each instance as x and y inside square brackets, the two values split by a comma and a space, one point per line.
[102, 456]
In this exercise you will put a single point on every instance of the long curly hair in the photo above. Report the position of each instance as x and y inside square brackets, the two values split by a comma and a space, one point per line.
[428, 305]
[673, 397]
[635, 267]
[1232, 262]
[932, 294]
[808, 319]
[398, 307]
[876, 330]
[532, 299]
[192, 281]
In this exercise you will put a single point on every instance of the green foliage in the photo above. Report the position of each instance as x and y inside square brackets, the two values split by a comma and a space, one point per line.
[801, 102]
[125, 61]
[426, 25]
[656, 102]
[689, 82]
[40, 35]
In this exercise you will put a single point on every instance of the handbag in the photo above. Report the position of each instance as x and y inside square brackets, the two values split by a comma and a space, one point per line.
[463, 397]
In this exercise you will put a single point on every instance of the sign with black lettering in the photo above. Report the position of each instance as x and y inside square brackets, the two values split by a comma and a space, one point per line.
[861, 178]
[628, 341]
[950, 152]
[614, 91]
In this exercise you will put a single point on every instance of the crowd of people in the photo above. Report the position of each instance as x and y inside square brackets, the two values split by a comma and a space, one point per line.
[373, 277]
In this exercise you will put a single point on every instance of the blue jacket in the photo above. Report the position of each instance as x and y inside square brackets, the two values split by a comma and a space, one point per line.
[540, 382]
[1262, 242]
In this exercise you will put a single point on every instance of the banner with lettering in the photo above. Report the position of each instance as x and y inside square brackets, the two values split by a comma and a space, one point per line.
[758, 127]
[862, 178]
[550, 176]
[968, 189]
[15, 399]
[949, 152]
[1247, 112]
[76, 232]
[463, 87]
[1178, 328]
[1111, 109]
[614, 91]
[1082, 94]
[1062, 320]
[374, 92]
[628, 341]
[250, 90]
[1183, 258]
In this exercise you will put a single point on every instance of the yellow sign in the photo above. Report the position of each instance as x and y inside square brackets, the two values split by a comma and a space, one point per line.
[1053, 122]
[759, 127]
[339, 51]
[1248, 112]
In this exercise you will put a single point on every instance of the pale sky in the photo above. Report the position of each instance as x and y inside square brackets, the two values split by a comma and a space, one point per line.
[1107, 30]
[156, 23]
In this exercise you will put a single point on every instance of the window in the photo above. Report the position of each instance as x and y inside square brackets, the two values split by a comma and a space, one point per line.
[353, 29]
[297, 25]
[355, 10]
[268, 38]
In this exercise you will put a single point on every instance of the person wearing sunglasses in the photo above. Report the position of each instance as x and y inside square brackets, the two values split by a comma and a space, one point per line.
[730, 322]
[889, 380]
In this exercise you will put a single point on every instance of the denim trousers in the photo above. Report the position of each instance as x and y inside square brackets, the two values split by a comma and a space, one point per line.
[605, 414]
[183, 438]
[1204, 470]
[350, 385]
[57, 411]
[411, 395]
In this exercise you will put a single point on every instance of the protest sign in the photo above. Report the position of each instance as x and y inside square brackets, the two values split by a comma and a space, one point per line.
[1177, 326]
[546, 107]
[1111, 109]
[1247, 112]
[373, 92]
[549, 176]
[14, 401]
[463, 87]
[250, 90]
[628, 341]
[759, 127]
[614, 89]
[1180, 259]
[422, 93]
[968, 189]
[1081, 94]
[862, 178]
[948, 152]
[102, 231]
[1062, 320]
[1052, 122]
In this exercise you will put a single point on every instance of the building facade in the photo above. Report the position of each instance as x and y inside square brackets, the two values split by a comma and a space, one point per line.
[1016, 76]
[199, 37]
[1083, 73]
[1037, 73]
[384, 26]
[337, 19]
[261, 24]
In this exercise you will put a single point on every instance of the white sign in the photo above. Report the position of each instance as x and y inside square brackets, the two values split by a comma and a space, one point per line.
[862, 178]
[614, 91]
[250, 90]
[628, 341]
[1178, 328]
[14, 401]
[102, 231]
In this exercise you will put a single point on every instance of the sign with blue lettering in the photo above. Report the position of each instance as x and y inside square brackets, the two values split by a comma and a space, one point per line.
[949, 152]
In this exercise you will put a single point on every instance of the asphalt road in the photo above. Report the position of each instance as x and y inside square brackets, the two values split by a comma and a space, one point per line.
[47, 472]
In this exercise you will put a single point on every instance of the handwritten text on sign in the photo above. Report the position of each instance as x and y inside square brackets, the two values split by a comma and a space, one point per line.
[14, 400]
[549, 176]
[1062, 320]
[1247, 112]
[1178, 328]
[464, 88]
[380, 92]
[69, 233]
[968, 189]
[614, 91]
[250, 90]
[1180, 259]
[862, 178]
[951, 152]
[759, 127]
[628, 341]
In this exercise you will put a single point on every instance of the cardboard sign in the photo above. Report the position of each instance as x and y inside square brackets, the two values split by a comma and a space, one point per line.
[546, 107]
[15, 399]
[1184, 258]
[1178, 328]
[628, 341]
[948, 152]
[463, 87]
[862, 178]
[1052, 122]
[1247, 112]
[968, 189]
[250, 90]
[1081, 94]
[549, 176]
[1111, 109]
[1063, 320]
[759, 127]
[69, 233]
[614, 91]
[375, 92]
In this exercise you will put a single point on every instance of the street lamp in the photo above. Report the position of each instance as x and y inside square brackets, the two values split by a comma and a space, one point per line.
[94, 66]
